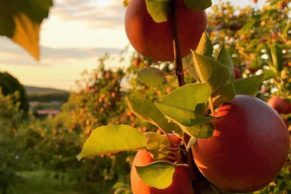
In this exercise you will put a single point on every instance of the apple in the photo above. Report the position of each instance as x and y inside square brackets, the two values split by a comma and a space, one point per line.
[155, 40]
[237, 73]
[280, 105]
[248, 148]
[181, 180]
[252, 70]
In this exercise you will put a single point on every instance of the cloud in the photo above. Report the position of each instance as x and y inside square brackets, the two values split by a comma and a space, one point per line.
[73, 53]
[11, 53]
[96, 13]
[68, 46]
[59, 67]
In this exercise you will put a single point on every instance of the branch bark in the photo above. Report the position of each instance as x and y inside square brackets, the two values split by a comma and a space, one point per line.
[176, 43]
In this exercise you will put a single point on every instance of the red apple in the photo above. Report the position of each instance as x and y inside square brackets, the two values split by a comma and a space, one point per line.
[280, 105]
[252, 69]
[237, 73]
[155, 40]
[181, 180]
[248, 148]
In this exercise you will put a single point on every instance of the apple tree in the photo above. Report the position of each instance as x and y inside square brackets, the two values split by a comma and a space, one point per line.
[224, 144]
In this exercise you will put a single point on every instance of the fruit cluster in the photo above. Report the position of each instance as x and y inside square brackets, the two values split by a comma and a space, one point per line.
[223, 136]
[250, 142]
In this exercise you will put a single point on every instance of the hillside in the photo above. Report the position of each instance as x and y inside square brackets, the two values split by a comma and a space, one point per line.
[46, 94]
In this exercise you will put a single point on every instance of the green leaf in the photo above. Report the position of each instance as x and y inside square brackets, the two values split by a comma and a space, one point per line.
[198, 4]
[256, 64]
[190, 122]
[227, 91]
[277, 57]
[155, 140]
[21, 20]
[210, 71]
[158, 144]
[176, 114]
[205, 45]
[180, 107]
[152, 77]
[147, 110]
[188, 96]
[189, 64]
[158, 174]
[158, 9]
[201, 127]
[268, 74]
[286, 31]
[112, 139]
[225, 94]
[225, 59]
[249, 85]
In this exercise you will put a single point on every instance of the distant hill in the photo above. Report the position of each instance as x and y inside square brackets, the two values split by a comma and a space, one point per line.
[34, 90]
[46, 94]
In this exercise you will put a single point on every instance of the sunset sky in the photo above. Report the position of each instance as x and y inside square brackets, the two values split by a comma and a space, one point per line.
[75, 35]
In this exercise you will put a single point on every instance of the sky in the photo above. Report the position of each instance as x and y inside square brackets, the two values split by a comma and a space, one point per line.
[74, 36]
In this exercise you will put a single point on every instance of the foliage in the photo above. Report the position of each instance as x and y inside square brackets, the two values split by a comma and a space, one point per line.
[9, 85]
[10, 142]
[20, 21]
[56, 141]
[32, 182]
[250, 34]
[53, 143]
[242, 41]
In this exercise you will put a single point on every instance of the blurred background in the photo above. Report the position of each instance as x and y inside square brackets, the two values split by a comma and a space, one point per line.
[49, 107]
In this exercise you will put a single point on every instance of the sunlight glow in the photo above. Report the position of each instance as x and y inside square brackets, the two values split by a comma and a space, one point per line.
[63, 31]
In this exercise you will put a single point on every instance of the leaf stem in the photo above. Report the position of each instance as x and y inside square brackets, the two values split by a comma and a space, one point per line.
[211, 106]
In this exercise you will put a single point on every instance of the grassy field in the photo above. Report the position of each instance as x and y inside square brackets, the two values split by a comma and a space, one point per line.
[41, 182]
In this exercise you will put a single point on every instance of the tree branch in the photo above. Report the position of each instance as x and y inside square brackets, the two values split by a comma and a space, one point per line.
[176, 43]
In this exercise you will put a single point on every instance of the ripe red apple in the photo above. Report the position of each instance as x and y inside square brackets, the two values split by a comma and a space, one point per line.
[155, 40]
[181, 180]
[237, 73]
[252, 69]
[248, 148]
[280, 105]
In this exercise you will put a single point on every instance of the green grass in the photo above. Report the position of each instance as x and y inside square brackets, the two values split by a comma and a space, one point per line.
[41, 182]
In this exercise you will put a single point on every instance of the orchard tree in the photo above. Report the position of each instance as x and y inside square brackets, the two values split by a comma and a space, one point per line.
[223, 144]
[10, 142]
[98, 101]
[211, 134]
[9, 85]
[258, 40]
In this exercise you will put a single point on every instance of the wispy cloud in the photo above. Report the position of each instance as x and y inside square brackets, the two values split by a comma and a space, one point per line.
[102, 13]
[77, 33]
[75, 53]
[59, 67]
[14, 55]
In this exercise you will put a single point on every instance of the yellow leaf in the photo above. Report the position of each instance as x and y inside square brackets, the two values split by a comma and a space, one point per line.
[26, 34]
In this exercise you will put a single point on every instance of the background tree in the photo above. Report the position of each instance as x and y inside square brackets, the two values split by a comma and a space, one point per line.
[9, 85]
